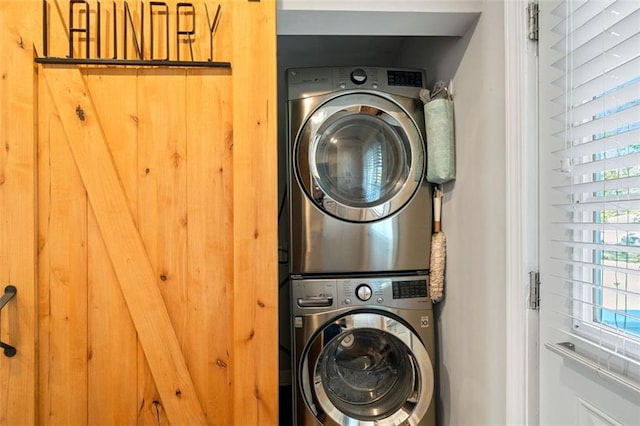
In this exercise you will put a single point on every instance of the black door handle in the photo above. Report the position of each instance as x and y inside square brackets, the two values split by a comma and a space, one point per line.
[9, 292]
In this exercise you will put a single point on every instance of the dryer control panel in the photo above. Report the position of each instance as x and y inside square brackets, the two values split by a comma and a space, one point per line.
[404, 78]
[307, 82]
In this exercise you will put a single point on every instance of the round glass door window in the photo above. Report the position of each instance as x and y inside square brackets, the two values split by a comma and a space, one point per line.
[366, 374]
[367, 367]
[360, 157]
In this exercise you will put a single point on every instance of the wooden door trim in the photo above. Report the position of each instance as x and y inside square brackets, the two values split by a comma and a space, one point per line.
[124, 244]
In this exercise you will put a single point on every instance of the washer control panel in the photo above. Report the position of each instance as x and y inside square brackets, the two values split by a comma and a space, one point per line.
[399, 292]
[410, 292]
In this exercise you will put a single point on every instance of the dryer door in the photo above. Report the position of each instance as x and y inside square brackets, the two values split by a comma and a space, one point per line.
[365, 368]
[360, 157]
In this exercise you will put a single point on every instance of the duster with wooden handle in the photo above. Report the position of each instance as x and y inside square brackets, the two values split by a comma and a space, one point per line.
[438, 251]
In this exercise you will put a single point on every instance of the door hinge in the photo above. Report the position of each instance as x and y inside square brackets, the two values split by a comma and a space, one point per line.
[533, 10]
[534, 290]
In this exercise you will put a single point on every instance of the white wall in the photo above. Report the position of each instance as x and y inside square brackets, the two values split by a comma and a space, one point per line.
[471, 320]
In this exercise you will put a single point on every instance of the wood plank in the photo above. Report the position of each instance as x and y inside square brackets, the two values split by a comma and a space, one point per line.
[17, 211]
[255, 292]
[113, 344]
[124, 244]
[210, 212]
[162, 212]
[210, 239]
[66, 257]
[44, 282]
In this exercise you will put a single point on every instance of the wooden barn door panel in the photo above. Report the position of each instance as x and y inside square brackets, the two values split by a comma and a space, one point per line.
[138, 282]
[155, 209]
[174, 169]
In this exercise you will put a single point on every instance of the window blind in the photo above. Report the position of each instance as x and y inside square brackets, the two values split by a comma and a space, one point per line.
[596, 208]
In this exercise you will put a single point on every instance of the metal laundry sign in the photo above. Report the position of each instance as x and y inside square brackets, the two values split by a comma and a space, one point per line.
[154, 33]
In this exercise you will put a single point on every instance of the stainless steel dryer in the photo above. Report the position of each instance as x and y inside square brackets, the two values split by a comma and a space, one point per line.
[364, 351]
[358, 199]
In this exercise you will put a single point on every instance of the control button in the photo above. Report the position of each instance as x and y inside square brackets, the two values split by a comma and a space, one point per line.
[359, 76]
[347, 301]
[342, 86]
[380, 300]
[364, 292]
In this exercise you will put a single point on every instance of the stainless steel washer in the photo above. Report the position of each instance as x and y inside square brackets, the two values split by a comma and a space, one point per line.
[358, 199]
[364, 351]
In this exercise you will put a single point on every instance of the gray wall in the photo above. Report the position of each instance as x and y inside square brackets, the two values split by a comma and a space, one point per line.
[471, 323]
[471, 319]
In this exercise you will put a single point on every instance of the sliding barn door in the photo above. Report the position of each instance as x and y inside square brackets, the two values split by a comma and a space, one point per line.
[138, 224]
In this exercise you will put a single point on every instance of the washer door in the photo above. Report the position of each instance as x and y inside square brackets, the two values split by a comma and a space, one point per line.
[359, 157]
[367, 368]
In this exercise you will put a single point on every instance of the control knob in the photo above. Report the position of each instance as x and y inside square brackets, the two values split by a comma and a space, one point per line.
[364, 292]
[359, 76]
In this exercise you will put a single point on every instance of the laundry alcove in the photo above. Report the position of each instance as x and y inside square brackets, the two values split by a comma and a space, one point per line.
[459, 42]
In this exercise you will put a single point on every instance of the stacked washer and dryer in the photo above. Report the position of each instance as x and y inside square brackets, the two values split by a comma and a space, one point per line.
[360, 232]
